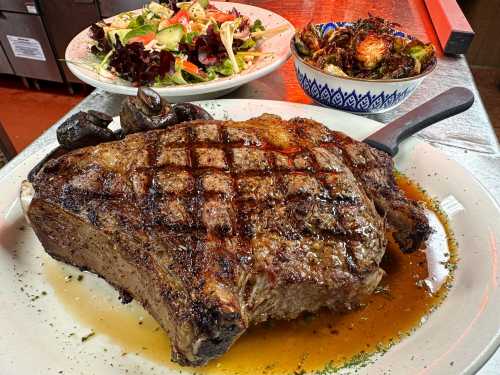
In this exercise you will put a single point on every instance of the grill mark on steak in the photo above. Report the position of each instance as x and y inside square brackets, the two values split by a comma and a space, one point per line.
[405, 217]
[241, 241]
[217, 225]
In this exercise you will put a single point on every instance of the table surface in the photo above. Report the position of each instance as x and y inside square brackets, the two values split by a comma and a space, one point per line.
[467, 138]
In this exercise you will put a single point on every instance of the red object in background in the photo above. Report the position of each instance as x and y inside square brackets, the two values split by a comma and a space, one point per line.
[452, 28]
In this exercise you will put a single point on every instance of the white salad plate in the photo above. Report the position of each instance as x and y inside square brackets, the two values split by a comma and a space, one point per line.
[40, 335]
[78, 56]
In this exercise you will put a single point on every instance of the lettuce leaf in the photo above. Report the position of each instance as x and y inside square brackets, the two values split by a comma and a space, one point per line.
[257, 26]
[226, 67]
[247, 44]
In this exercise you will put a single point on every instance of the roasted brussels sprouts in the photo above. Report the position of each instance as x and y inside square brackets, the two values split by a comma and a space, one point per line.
[307, 41]
[369, 48]
[372, 50]
[420, 51]
[301, 46]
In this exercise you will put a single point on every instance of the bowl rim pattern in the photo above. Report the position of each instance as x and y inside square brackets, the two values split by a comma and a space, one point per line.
[352, 101]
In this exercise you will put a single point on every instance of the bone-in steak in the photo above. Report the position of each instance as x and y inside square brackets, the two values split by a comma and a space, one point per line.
[217, 225]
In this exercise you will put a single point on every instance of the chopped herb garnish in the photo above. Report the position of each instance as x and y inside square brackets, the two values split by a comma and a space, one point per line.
[85, 338]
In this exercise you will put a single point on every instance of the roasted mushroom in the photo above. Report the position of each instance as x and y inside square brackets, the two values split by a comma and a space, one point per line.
[146, 111]
[99, 119]
[190, 112]
[85, 129]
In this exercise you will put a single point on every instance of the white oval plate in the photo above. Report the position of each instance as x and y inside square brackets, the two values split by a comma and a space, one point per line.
[78, 50]
[456, 339]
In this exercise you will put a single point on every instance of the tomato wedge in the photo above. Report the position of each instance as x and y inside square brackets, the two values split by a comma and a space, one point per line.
[220, 17]
[181, 17]
[144, 39]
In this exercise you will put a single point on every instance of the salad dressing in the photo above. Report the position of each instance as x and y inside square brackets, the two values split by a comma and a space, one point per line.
[399, 305]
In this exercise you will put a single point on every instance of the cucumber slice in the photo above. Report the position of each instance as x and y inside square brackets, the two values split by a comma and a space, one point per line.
[178, 78]
[170, 36]
[143, 30]
[121, 35]
[194, 77]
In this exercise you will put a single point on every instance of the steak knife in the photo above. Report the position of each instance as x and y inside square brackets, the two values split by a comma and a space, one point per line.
[449, 103]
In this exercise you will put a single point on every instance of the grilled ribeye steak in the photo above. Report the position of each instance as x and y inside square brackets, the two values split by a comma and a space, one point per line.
[217, 225]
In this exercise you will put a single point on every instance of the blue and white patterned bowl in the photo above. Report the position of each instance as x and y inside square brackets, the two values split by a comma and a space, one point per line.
[357, 95]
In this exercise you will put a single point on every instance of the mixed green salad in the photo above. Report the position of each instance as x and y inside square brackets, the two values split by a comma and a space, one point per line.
[177, 43]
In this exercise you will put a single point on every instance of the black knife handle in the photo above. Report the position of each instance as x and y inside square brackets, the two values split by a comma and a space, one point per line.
[447, 104]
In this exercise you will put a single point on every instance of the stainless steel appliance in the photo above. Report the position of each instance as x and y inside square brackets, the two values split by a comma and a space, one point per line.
[18, 6]
[111, 7]
[4, 63]
[63, 20]
[34, 33]
[23, 37]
